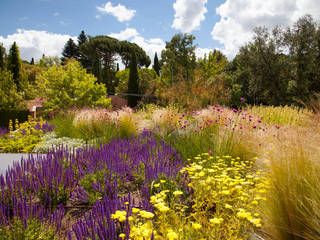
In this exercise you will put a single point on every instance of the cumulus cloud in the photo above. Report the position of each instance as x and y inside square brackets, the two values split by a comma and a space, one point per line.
[189, 14]
[239, 17]
[33, 44]
[120, 12]
[125, 34]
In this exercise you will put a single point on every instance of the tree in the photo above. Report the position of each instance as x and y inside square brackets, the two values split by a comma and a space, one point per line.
[102, 51]
[14, 64]
[71, 86]
[133, 87]
[213, 64]
[303, 41]
[2, 56]
[156, 65]
[268, 68]
[70, 50]
[147, 80]
[10, 98]
[32, 61]
[50, 61]
[178, 58]
[82, 39]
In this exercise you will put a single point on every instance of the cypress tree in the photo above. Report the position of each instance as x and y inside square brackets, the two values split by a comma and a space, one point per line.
[32, 61]
[14, 64]
[133, 87]
[2, 57]
[156, 65]
[70, 50]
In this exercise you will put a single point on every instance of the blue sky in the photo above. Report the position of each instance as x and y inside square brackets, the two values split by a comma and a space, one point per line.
[43, 26]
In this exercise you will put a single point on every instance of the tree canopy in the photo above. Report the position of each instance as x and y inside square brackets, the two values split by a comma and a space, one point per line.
[71, 86]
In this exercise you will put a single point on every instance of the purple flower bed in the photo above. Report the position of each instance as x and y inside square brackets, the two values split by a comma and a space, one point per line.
[44, 187]
[44, 127]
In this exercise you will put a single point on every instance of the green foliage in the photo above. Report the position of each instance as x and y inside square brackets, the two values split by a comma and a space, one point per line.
[90, 178]
[46, 62]
[2, 57]
[147, 80]
[82, 39]
[35, 231]
[94, 131]
[70, 50]
[178, 59]
[133, 84]
[23, 139]
[70, 86]
[286, 115]
[127, 127]
[213, 65]
[14, 64]
[10, 98]
[156, 65]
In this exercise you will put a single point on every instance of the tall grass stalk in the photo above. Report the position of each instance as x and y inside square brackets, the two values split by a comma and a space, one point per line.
[287, 115]
[292, 209]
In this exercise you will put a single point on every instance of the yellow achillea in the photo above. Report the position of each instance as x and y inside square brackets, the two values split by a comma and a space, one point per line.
[235, 190]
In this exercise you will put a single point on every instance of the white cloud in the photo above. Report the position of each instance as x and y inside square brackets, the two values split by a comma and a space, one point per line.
[125, 34]
[239, 17]
[150, 46]
[120, 12]
[189, 14]
[33, 44]
[56, 14]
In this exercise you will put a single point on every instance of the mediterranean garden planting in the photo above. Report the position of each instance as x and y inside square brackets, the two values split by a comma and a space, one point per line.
[163, 173]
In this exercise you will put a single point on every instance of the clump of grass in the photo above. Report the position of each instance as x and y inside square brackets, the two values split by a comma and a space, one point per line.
[127, 127]
[287, 115]
[292, 209]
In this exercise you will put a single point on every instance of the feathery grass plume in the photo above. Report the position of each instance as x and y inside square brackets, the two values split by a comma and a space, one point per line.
[292, 210]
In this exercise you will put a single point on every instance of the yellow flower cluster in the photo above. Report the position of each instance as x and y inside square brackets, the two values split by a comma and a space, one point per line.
[159, 201]
[226, 196]
[119, 215]
[141, 224]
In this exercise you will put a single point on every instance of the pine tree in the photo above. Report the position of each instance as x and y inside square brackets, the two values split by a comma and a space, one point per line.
[2, 56]
[14, 64]
[156, 65]
[82, 38]
[70, 50]
[133, 87]
[32, 61]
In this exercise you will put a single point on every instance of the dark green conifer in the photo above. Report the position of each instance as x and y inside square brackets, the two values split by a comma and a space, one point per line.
[156, 65]
[70, 50]
[14, 64]
[133, 87]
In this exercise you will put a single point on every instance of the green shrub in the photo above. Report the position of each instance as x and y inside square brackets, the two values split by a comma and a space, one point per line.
[35, 231]
[71, 86]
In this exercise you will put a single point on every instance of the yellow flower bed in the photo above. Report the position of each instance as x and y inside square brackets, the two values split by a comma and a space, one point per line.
[226, 196]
